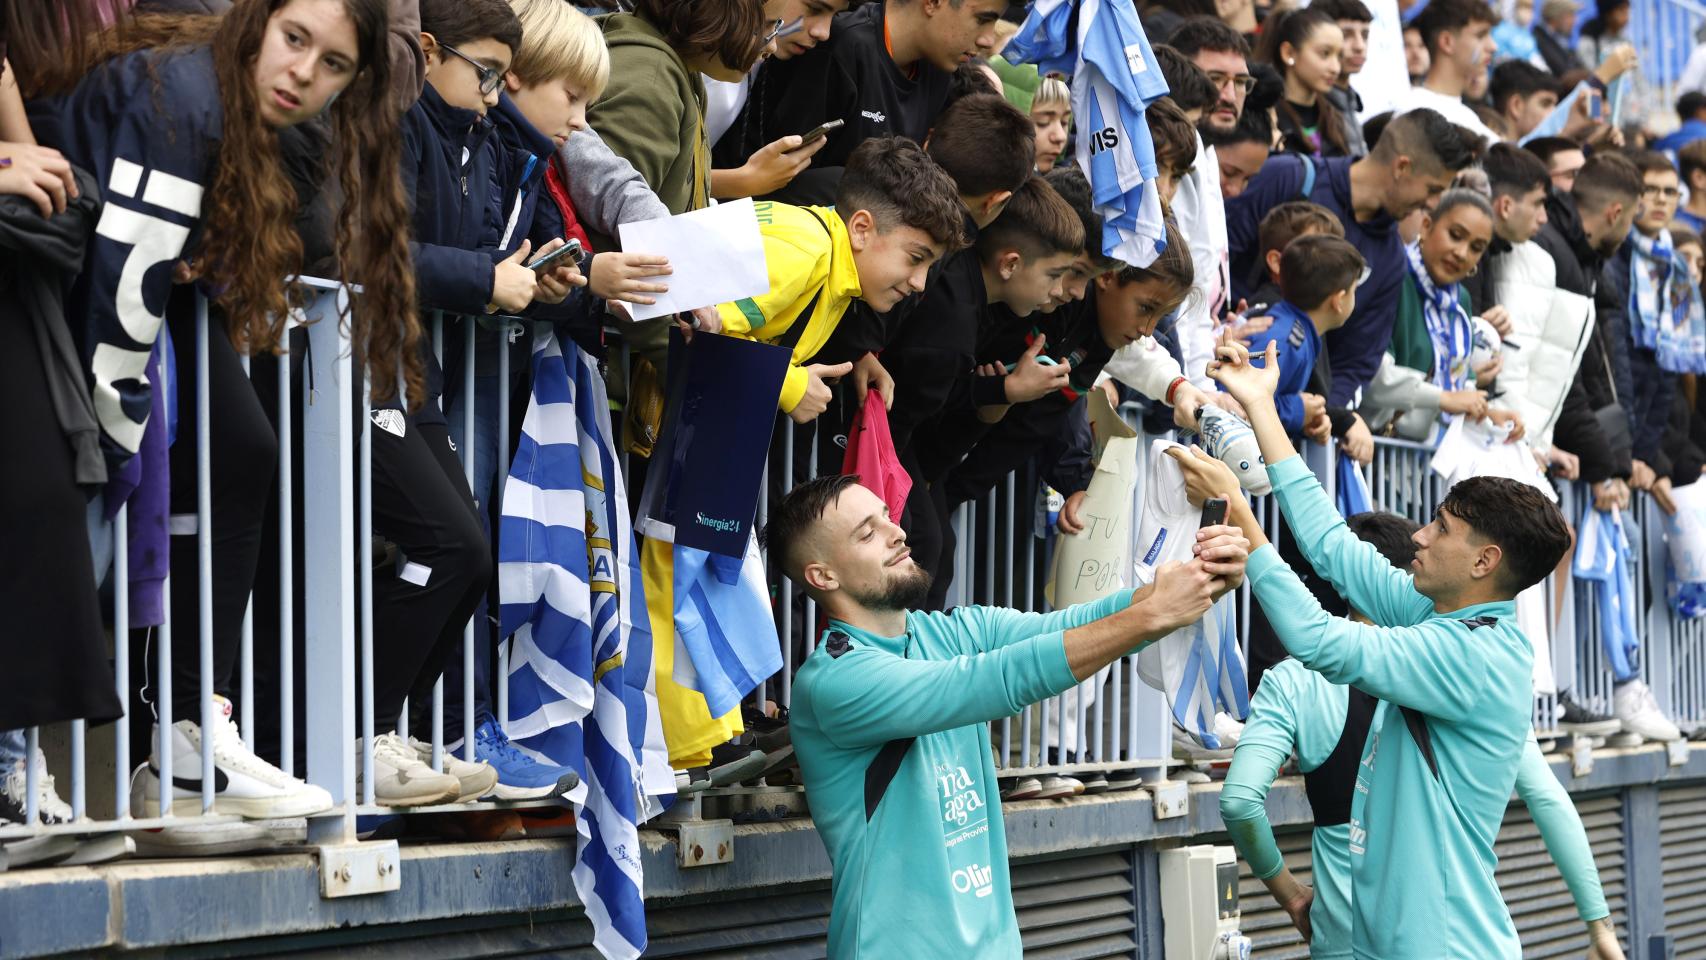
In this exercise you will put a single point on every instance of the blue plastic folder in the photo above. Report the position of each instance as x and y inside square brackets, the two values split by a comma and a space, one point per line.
[707, 471]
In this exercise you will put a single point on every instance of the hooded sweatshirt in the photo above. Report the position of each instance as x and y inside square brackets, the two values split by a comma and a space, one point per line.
[653, 115]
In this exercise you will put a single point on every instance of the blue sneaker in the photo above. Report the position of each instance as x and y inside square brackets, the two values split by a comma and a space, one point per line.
[520, 777]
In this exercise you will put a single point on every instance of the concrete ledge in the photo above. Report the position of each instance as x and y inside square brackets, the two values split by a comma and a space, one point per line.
[152, 904]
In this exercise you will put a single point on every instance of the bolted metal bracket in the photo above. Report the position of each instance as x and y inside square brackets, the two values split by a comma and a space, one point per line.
[1172, 798]
[358, 869]
[701, 843]
[1676, 751]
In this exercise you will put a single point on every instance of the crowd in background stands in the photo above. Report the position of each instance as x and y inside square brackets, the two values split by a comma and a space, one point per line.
[941, 248]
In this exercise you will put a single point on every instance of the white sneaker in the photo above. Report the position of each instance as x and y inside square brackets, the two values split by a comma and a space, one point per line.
[1634, 704]
[50, 809]
[477, 778]
[400, 779]
[244, 784]
[1230, 440]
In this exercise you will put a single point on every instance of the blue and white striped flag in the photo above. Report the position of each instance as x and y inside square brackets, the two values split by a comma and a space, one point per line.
[1100, 44]
[569, 582]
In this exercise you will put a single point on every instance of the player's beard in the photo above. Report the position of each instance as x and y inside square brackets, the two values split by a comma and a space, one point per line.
[907, 590]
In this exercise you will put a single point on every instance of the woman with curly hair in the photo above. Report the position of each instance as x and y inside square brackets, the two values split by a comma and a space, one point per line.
[178, 120]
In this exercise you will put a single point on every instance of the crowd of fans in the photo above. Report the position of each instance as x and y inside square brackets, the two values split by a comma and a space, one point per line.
[1507, 239]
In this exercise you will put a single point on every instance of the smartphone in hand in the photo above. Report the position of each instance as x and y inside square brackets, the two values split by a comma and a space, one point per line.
[1213, 512]
[819, 132]
[568, 251]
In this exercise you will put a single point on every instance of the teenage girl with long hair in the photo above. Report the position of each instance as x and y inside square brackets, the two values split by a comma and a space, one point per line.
[1305, 47]
[178, 119]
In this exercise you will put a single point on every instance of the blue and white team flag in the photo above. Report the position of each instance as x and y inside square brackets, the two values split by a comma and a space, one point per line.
[1602, 556]
[580, 670]
[1101, 45]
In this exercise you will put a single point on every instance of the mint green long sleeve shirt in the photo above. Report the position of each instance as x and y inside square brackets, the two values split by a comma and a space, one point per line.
[1421, 835]
[1298, 710]
[919, 849]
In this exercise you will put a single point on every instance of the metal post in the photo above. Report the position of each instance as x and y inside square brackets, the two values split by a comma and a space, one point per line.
[163, 699]
[468, 443]
[329, 582]
[121, 661]
[204, 550]
[503, 472]
[286, 570]
[364, 545]
[32, 784]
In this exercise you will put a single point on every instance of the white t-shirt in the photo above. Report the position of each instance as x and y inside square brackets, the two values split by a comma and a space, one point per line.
[1451, 108]
[723, 101]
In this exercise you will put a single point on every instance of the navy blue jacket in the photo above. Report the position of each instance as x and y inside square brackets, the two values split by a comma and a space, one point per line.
[447, 176]
[1356, 348]
[148, 126]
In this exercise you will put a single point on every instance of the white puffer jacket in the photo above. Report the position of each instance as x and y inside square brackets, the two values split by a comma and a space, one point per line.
[1549, 332]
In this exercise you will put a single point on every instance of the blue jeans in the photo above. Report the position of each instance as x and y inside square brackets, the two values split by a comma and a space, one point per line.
[12, 748]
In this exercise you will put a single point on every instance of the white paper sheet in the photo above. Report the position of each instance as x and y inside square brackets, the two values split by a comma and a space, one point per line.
[717, 256]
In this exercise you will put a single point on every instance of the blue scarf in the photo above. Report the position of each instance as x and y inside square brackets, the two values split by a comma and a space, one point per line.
[1448, 325]
[1665, 311]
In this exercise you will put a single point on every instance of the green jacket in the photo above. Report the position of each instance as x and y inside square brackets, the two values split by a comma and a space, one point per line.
[651, 114]
[1411, 345]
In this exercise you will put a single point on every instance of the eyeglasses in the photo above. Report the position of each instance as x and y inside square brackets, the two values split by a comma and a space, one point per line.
[1244, 81]
[1663, 193]
[489, 79]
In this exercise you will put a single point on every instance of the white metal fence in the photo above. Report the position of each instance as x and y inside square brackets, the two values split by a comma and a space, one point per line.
[1117, 722]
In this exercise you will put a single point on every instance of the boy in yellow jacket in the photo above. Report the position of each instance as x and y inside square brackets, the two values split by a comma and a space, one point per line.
[896, 213]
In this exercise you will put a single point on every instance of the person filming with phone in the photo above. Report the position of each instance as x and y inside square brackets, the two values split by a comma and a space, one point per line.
[891, 715]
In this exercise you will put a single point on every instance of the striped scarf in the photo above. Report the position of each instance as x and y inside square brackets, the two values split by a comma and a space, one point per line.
[1448, 326]
[1665, 312]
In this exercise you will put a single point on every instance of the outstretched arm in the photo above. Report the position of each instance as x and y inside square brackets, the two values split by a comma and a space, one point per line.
[1359, 571]
[1561, 830]
[1267, 742]
[872, 697]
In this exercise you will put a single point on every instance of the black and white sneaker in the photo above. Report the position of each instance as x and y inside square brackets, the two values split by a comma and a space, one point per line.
[244, 784]
[1583, 721]
[14, 795]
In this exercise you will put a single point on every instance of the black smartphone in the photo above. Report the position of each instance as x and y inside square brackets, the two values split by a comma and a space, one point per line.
[1213, 512]
[570, 250]
[820, 131]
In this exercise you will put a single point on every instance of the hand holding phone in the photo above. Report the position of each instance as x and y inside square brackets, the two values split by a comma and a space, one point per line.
[570, 251]
[1213, 512]
[819, 132]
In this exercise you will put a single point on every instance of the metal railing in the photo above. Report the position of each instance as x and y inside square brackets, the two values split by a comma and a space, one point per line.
[1115, 720]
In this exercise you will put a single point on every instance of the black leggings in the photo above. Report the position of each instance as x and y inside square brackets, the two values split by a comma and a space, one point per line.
[422, 504]
[244, 451]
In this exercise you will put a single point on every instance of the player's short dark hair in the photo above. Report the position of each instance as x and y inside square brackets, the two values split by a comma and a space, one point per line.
[893, 179]
[1605, 179]
[984, 143]
[1208, 33]
[1036, 222]
[1389, 533]
[1512, 171]
[792, 518]
[1316, 266]
[1187, 84]
[1353, 10]
[1445, 16]
[1519, 519]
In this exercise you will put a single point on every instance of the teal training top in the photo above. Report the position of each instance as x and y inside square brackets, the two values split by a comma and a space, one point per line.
[1423, 824]
[914, 832]
[1298, 709]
